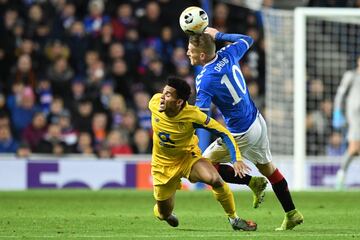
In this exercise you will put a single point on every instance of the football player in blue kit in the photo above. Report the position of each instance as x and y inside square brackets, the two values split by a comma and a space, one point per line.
[221, 82]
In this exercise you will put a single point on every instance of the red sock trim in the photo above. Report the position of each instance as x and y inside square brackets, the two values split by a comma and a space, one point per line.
[276, 177]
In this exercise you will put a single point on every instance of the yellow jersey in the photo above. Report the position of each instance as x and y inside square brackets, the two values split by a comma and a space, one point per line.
[174, 137]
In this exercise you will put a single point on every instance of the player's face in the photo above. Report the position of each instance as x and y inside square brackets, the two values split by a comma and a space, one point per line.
[194, 55]
[169, 102]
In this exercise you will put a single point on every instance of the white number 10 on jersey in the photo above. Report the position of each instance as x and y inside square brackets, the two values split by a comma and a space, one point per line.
[241, 85]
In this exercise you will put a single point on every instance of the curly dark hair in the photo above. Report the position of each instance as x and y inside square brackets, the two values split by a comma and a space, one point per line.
[183, 89]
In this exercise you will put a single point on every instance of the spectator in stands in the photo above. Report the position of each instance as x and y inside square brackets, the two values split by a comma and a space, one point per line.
[221, 17]
[165, 45]
[154, 75]
[315, 95]
[17, 35]
[129, 124]
[57, 106]
[27, 47]
[117, 109]
[9, 41]
[116, 51]
[23, 112]
[148, 54]
[64, 19]
[104, 41]
[60, 74]
[42, 36]
[318, 123]
[78, 43]
[7, 143]
[142, 142]
[14, 97]
[77, 93]
[23, 72]
[143, 113]
[83, 115]
[122, 79]
[68, 134]
[254, 91]
[35, 17]
[132, 50]
[23, 151]
[123, 20]
[99, 128]
[10, 18]
[52, 142]
[56, 49]
[96, 18]
[95, 77]
[84, 144]
[151, 23]
[35, 131]
[92, 57]
[179, 58]
[102, 102]
[103, 151]
[118, 143]
[335, 145]
[45, 94]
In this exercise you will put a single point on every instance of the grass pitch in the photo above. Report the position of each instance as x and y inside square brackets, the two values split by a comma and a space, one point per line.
[127, 214]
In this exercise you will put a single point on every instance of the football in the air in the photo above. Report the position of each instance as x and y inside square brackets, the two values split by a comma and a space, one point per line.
[193, 20]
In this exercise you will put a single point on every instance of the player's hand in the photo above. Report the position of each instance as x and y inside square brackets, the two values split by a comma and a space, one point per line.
[338, 120]
[211, 31]
[241, 169]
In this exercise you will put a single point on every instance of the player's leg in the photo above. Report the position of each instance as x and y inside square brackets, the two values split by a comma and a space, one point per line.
[165, 199]
[204, 171]
[352, 151]
[163, 210]
[258, 151]
[280, 187]
[219, 155]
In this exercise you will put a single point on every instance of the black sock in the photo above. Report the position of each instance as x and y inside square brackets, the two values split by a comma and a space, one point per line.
[227, 173]
[281, 190]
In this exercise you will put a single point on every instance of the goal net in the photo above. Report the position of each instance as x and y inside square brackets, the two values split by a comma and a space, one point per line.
[308, 50]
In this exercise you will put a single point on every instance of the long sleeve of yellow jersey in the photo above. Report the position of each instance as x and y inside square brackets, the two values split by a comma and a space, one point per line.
[201, 120]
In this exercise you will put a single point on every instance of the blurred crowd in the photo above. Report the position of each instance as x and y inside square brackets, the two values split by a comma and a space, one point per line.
[76, 76]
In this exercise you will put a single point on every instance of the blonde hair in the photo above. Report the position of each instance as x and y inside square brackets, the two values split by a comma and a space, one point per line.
[203, 42]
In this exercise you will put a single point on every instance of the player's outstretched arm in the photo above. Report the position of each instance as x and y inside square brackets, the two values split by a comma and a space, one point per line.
[210, 124]
[228, 37]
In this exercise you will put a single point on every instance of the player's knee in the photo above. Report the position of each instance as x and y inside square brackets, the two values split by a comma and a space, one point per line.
[216, 181]
[266, 169]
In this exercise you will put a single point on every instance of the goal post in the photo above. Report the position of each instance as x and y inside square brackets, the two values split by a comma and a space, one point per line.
[299, 97]
[308, 50]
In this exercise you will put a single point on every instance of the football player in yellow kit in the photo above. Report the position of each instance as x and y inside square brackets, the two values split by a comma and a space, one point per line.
[176, 153]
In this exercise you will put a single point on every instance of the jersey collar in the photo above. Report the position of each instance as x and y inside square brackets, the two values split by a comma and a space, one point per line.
[212, 61]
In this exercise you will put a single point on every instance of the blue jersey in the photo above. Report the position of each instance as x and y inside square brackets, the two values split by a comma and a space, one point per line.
[222, 82]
